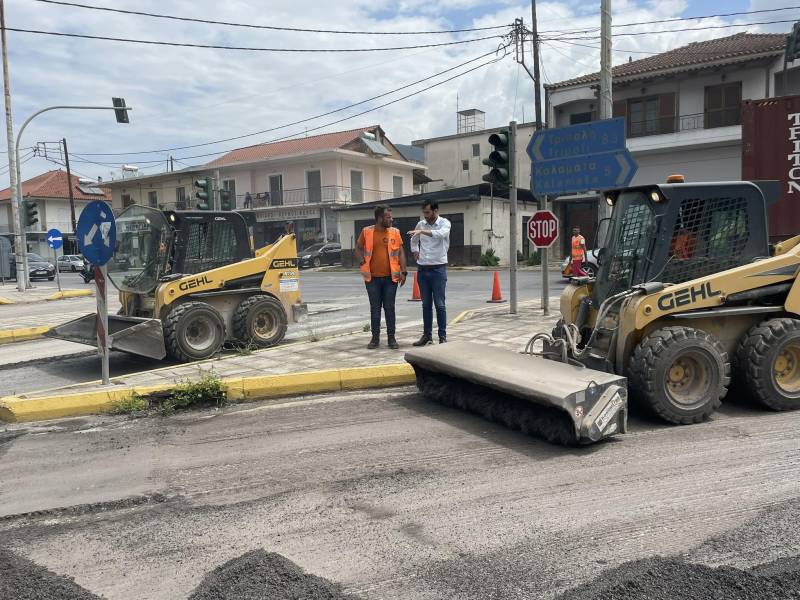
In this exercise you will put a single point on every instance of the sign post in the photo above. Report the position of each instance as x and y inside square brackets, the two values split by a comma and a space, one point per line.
[97, 234]
[579, 158]
[55, 240]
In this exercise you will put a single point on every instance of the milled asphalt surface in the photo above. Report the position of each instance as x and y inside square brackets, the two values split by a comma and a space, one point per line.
[392, 496]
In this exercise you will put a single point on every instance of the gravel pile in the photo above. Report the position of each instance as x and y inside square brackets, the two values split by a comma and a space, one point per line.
[260, 575]
[22, 579]
[674, 579]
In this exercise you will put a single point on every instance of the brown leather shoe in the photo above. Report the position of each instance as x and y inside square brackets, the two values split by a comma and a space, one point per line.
[392, 341]
[373, 343]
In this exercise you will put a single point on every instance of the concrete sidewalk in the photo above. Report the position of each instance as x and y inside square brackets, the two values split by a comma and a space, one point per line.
[341, 362]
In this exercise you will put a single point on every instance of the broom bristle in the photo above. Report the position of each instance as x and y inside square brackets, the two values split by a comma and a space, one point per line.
[550, 424]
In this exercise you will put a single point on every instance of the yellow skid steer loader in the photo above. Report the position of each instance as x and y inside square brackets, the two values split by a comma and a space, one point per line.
[189, 281]
[688, 287]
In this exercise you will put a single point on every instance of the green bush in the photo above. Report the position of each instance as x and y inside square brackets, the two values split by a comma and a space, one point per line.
[535, 258]
[488, 259]
[207, 391]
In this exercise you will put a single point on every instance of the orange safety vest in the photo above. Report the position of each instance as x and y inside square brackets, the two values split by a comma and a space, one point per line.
[395, 244]
[578, 241]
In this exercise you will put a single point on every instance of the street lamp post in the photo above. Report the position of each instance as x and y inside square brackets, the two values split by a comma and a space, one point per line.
[122, 117]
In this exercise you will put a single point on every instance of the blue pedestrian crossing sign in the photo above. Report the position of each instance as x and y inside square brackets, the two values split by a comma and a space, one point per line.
[54, 239]
[97, 233]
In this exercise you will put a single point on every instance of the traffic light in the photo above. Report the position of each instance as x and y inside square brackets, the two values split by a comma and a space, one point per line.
[225, 200]
[793, 43]
[122, 115]
[500, 167]
[203, 193]
[30, 216]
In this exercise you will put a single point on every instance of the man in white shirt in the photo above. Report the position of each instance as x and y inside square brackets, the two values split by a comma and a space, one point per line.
[430, 240]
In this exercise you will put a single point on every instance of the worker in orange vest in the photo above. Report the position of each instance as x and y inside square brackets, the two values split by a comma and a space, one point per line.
[578, 253]
[379, 251]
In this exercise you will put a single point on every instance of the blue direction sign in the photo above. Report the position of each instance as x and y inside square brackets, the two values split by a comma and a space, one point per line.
[54, 239]
[589, 156]
[582, 173]
[97, 232]
[607, 135]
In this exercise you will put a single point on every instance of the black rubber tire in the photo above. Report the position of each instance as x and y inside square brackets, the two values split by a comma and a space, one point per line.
[756, 355]
[177, 325]
[656, 354]
[589, 269]
[317, 262]
[251, 314]
[51, 278]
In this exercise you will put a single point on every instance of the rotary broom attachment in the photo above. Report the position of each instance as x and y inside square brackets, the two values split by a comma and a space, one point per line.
[561, 403]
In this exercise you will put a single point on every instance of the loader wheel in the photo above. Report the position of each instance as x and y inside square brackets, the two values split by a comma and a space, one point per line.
[681, 373]
[769, 357]
[193, 331]
[260, 320]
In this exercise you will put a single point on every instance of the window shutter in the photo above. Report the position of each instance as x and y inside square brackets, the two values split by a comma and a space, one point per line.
[666, 113]
[620, 108]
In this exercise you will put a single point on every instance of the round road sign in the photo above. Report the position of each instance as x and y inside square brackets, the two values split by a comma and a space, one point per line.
[543, 228]
[97, 232]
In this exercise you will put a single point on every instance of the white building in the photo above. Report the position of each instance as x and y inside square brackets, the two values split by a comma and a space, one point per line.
[50, 191]
[682, 110]
[297, 180]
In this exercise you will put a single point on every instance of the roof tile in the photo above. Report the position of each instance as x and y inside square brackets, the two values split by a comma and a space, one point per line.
[53, 184]
[696, 54]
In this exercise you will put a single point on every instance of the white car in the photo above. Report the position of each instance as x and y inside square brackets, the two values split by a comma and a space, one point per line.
[590, 265]
[70, 262]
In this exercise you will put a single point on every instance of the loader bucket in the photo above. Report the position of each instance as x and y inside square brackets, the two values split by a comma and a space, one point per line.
[134, 335]
[559, 402]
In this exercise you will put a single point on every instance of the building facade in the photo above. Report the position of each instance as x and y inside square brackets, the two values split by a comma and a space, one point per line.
[682, 111]
[299, 180]
[50, 191]
[479, 222]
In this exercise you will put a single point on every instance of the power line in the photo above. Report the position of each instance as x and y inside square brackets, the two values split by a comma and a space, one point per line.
[623, 51]
[270, 27]
[654, 32]
[733, 14]
[317, 128]
[319, 116]
[244, 48]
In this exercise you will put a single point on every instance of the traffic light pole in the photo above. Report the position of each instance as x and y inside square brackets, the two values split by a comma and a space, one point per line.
[512, 216]
[18, 186]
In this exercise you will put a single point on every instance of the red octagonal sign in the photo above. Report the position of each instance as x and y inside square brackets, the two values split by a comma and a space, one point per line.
[543, 228]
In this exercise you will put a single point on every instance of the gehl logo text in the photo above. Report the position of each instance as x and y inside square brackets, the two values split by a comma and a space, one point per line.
[283, 263]
[686, 296]
[193, 283]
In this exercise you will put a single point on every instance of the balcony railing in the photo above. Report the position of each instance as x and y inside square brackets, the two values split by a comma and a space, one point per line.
[327, 194]
[672, 124]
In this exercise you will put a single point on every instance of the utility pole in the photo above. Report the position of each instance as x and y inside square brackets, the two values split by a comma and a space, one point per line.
[606, 102]
[19, 232]
[71, 197]
[512, 216]
[537, 94]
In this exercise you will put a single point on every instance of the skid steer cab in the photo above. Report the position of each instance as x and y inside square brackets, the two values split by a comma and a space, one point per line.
[189, 282]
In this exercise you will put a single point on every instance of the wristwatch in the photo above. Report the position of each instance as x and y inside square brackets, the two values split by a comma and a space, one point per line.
[405, 272]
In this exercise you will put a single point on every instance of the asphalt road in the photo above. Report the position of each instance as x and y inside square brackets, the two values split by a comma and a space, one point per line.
[337, 301]
[392, 496]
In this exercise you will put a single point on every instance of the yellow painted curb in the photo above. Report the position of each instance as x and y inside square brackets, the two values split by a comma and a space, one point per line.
[8, 336]
[462, 315]
[70, 294]
[5, 300]
[15, 409]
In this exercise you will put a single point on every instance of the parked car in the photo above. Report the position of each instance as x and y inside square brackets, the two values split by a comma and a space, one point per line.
[590, 265]
[70, 262]
[320, 254]
[38, 267]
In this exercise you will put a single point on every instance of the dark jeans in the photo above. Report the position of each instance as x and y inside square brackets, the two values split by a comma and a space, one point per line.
[432, 281]
[381, 292]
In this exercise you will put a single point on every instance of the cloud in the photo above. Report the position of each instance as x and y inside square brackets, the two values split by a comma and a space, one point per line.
[185, 96]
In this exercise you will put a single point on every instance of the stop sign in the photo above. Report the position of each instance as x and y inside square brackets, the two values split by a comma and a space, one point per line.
[543, 228]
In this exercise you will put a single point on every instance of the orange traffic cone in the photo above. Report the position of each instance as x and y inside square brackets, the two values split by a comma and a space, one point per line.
[497, 295]
[415, 295]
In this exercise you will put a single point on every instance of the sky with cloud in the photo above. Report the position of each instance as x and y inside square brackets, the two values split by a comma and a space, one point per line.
[188, 96]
